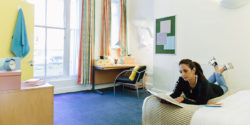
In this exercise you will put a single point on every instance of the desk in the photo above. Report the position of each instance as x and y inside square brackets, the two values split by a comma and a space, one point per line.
[107, 74]
[27, 106]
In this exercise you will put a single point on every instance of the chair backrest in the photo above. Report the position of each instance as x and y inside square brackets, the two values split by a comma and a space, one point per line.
[140, 75]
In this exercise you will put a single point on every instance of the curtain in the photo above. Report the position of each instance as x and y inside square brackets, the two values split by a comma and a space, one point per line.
[86, 51]
[123, 50]
[106, 28]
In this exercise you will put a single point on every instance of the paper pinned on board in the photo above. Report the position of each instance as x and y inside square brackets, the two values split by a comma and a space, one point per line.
[165, 26]
[161, 38]
[170, 44]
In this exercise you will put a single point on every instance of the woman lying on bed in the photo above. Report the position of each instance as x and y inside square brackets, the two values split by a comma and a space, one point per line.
[196, 88]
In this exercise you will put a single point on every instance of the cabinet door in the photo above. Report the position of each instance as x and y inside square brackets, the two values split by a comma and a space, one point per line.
[27, 107]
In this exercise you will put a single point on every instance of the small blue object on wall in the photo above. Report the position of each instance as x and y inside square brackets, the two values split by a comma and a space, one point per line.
[10, 64]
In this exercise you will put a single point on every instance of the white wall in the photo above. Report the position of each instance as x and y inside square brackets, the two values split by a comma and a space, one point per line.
[203, 30]
[140, 14]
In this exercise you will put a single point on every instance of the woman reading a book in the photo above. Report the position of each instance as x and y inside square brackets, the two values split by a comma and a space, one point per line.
[196, 88]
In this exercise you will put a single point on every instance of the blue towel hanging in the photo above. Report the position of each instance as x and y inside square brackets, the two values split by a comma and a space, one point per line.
[20, 45]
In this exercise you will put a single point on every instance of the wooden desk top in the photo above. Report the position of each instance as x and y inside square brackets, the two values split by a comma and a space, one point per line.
[27, 87]
[117, 66]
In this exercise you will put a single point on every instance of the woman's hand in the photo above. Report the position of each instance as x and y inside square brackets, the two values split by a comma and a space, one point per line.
[179, 99]
[163, 101]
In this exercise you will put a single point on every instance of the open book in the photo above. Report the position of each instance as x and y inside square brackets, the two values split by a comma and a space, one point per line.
[166, 98]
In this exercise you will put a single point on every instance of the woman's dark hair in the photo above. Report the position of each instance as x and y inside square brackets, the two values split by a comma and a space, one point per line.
[191, 64]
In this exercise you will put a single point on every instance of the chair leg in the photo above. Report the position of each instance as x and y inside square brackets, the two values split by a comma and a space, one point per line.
[137, 91]
[142, 85]
[114, 88]
[122, 88]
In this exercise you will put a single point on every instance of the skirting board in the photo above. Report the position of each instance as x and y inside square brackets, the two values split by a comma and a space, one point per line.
[67, 86]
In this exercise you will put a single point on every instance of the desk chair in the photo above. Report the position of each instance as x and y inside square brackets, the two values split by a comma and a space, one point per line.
[123, 78]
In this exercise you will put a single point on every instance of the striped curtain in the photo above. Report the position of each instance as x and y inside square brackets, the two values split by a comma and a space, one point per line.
[87, 42]
[106, 28]
[123, 50]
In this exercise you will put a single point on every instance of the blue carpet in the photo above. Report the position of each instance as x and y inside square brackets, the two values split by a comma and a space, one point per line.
[88, 108]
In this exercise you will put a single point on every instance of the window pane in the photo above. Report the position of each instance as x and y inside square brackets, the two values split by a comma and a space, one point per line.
[115, 23]
[39, 12]
[55, 50]
[75, 9]
[39, 52]
[75, 13]
[55, 13]
[74, 52]
[49, 59]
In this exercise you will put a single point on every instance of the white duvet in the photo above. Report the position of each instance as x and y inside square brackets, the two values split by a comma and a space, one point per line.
[235, 110]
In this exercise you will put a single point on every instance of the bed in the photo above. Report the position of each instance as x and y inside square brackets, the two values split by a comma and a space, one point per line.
[235, 110]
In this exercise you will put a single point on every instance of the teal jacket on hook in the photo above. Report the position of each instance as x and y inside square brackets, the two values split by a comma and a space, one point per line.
[20, 45]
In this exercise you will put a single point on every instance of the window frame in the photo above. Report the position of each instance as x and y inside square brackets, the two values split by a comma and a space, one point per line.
[66, 52]
[113, 43]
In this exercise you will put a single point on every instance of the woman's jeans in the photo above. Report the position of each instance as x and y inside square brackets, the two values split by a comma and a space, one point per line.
[216, 77]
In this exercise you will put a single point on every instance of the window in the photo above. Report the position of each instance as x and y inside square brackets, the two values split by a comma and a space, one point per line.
[115, 22]
[56, 38]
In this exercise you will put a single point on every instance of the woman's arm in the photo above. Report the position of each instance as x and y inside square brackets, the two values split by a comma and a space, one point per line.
[187, 101]
[178, 88]
[179, 99]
